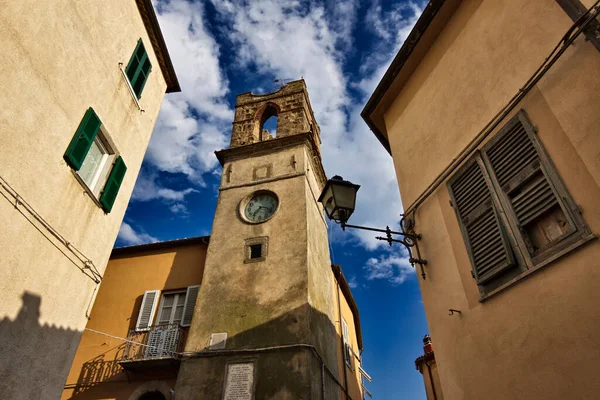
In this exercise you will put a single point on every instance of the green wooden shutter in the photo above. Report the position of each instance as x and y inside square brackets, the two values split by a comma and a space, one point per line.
[138, 68]
[524, 180]
[109, 194]
[483, 232]
[83, 139]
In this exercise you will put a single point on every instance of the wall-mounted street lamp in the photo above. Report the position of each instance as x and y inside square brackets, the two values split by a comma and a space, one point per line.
[339, 200]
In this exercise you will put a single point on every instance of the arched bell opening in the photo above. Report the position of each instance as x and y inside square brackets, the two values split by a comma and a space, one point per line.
[268, 122]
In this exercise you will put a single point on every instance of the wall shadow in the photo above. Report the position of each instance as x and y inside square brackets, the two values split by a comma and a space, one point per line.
[286, 373]
[35, 358]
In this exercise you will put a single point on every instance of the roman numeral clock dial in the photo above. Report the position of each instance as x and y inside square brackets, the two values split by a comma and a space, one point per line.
[259, 207]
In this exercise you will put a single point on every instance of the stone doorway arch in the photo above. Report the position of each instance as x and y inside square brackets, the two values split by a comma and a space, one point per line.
[152, 390]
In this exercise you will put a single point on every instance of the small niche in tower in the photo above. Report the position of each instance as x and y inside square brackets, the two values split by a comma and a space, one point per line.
[255, 249]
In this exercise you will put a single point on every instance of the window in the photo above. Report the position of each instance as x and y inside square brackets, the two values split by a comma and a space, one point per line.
[176, 307]
[513, 210]
[138, 68]
[171, 308]
[255, 249]
[347, 349]
[97, 166]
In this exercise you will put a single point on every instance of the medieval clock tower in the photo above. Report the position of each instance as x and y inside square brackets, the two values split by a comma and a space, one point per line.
[263, 325]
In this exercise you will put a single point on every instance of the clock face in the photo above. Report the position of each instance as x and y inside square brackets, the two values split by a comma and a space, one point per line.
[261, 207]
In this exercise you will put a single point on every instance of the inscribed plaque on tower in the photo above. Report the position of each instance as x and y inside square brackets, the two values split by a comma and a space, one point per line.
[240, 381]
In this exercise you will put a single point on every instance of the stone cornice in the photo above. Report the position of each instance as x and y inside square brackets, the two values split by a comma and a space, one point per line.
[267, 146]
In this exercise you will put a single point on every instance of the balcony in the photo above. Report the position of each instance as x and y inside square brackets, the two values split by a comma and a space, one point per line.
[155, 348]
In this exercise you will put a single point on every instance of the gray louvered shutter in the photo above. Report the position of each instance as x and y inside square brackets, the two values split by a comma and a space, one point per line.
[147, 310]
[190, 303]
[515, 161]
[483, 232]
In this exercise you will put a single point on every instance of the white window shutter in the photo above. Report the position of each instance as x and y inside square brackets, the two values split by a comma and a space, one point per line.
[147, 310]
[190, 304]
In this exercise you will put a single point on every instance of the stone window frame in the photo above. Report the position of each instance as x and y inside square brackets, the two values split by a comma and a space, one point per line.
[261, 240]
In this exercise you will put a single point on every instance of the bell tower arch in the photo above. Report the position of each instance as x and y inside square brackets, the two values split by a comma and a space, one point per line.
[291, 106]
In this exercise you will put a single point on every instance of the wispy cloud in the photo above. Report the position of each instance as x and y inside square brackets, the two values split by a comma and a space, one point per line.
[179, 208]
[147, 188]
[193, 123]
[396, 270]
[130, 236]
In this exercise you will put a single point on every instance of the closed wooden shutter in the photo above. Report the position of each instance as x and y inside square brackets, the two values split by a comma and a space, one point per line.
[190, 304]
[113, 184]
[83, 139]
[138, 68]
[147, 310]
[483, 232]
[525, 182]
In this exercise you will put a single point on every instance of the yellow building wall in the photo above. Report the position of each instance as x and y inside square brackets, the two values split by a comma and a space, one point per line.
[349, 377]
[95, 372]
[537, 338]
[58, 59]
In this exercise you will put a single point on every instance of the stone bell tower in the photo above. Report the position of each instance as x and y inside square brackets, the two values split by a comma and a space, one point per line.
[264, 320]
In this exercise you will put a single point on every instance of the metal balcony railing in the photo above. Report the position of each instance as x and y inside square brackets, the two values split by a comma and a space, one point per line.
[161, 341]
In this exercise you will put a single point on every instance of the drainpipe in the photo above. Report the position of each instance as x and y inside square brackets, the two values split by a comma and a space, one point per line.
[431, 380]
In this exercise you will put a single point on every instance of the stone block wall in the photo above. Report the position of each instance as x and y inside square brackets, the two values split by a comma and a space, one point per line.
[291, 106]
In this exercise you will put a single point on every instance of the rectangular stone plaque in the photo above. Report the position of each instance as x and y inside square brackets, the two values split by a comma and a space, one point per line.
[240, 381]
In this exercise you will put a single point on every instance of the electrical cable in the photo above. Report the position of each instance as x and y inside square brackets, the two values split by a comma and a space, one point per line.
[89, 269]
[129, 341]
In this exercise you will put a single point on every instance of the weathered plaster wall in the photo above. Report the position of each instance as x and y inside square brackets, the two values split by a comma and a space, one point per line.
[282, 300]
[537, 338]
[95, 372]
[59, 58]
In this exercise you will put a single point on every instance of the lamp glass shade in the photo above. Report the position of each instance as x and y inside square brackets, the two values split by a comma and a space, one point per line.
[339, 199]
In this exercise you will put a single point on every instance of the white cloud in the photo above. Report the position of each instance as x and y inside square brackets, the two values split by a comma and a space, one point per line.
[179, 208]
[396, 270]
[197, 121]
[353, 282]
[393, 27]
[147, 189]
[128, 235]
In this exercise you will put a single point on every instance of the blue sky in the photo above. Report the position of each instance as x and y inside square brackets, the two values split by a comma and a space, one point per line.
[341, 48]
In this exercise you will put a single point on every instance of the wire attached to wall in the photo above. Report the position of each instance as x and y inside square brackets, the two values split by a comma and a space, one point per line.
[88, 268]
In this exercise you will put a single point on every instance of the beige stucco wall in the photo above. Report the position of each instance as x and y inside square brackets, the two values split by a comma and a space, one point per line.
[537, 338]
[58, 59]
[95, 372]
